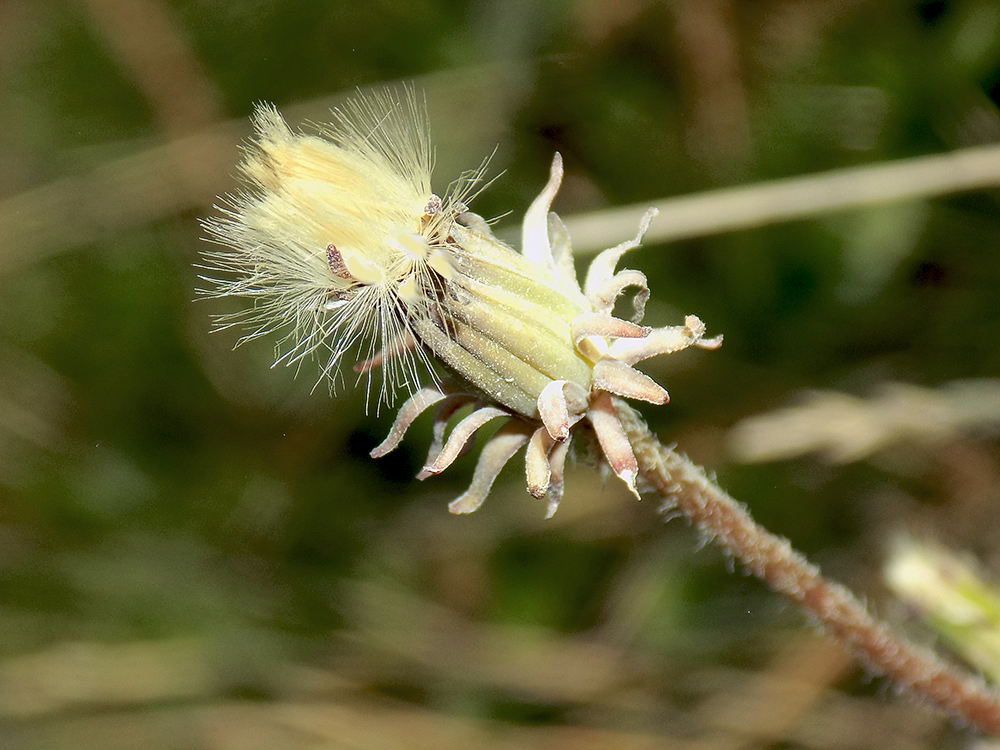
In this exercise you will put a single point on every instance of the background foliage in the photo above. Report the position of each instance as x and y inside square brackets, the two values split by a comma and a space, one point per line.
[195, 549]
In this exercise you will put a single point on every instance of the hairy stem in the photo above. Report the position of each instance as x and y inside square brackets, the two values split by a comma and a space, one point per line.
[771, 558]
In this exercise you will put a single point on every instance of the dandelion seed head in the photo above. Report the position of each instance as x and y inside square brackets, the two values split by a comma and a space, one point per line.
[340, 245]
[338, 238]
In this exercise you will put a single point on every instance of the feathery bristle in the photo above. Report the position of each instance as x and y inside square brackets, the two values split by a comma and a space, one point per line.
[339, 240]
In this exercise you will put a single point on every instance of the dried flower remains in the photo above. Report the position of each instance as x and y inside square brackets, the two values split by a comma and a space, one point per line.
[342, 245]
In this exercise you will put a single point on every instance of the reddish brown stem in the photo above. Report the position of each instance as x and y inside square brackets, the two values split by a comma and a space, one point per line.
[771, 558]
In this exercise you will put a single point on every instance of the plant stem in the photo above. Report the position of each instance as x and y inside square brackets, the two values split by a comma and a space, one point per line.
[771, 558]
[804, 196]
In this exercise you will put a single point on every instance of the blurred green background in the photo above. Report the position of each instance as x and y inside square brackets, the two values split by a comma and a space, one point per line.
[195, 549]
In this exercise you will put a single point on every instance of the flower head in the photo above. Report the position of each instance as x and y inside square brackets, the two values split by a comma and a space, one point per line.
[342, 244]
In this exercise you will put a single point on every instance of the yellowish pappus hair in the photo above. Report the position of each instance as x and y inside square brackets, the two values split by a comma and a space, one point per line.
[339, 242]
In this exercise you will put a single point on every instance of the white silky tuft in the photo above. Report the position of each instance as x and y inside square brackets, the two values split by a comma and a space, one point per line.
[339, 241]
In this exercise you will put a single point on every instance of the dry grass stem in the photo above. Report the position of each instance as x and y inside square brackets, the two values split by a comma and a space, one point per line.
[747, 206]
[845, 428]
[142, 188]
[154, 52]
